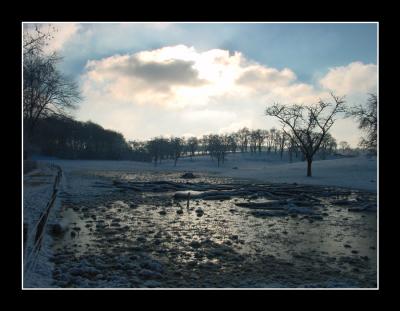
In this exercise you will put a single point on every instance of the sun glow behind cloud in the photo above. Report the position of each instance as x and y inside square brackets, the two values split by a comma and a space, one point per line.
[178, 90]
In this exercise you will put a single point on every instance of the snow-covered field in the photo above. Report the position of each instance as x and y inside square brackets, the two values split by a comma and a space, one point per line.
[352, 172]
[123, 238]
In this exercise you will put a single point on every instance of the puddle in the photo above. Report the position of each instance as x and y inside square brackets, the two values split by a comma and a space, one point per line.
[78, 236]
[192, 192]
[220, 246]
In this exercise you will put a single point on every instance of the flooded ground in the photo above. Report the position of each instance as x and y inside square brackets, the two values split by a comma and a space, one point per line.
[138, 230]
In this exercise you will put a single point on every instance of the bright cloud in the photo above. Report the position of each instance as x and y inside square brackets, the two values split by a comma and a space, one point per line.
[173, 77]
[178, 77]
[353, 78]
[180, 90]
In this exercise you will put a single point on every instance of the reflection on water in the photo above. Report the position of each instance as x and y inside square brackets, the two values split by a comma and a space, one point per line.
[77, 235]
[225, 236]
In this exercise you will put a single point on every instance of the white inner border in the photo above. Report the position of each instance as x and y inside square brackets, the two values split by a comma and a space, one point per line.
[225, 22]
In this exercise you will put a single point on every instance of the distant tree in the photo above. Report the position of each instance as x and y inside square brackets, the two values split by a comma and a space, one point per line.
[257, 138]
[193, 144]
[138, 151]
[261, 136]
[276, 140]
[292, 147]
[204, 144]
[344, 145]
[232, 142]
[281, 139]
[176, 145]
[137, 145]
[308, 125]
[243, 139]
[217, 147]
[270, 139]
[154, 148]
[328, 146]
[367, 117]
[225, 145]
[252, 139]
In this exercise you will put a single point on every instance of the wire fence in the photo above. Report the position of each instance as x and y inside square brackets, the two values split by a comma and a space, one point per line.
[37, 232]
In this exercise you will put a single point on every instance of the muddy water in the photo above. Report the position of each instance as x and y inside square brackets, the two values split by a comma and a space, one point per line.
[125, 238]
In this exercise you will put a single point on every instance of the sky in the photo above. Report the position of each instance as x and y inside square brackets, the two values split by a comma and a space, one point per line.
[189, 79]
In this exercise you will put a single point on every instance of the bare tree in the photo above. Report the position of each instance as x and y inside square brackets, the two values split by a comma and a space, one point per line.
[176, 144]
[328, 146]
[35, 40]
[308, 125]
[292, 147]
[253, 141]
[204, 144]
[46, 90]
[137, 145]
[281, 138]
[193, 144]
[367, 117]
[154, 149]
[259, 137]
[270, 139]
[243, 139]
[232, 142]
[218, 145]
[344, 145]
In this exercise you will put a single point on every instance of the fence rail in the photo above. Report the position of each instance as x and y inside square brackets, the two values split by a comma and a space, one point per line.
[39, 228]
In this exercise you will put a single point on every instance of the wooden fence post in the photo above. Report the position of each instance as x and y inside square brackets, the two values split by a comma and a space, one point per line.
[25, 235]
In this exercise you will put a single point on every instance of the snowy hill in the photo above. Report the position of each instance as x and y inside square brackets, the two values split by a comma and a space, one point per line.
[354, 172]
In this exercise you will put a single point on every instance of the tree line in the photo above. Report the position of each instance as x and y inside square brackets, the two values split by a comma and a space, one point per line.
[217, 146]
[67, 138]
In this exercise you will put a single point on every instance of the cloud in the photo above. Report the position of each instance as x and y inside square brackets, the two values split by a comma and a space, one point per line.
[142, 79]
[353, 78]
[179, 90]
[154, 74]
[273, 85]
[178, 77]
[259, 76]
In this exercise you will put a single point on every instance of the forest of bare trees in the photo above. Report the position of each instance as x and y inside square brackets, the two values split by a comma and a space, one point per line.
[64, 137]
[217, 146]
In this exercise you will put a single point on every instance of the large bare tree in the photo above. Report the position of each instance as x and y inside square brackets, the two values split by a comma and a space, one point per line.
[307, 124]
[46, 91]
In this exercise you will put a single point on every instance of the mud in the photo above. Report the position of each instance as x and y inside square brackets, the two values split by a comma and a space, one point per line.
[135, 233]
